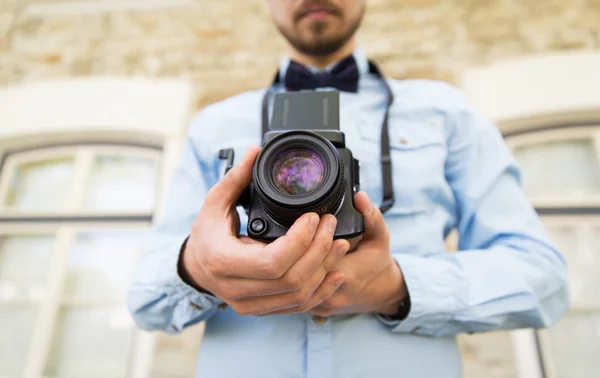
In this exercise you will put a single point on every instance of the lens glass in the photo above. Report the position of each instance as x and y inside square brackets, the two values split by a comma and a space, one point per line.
[298, 171]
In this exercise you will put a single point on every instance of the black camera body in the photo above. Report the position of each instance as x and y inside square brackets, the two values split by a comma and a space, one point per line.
[304, 166]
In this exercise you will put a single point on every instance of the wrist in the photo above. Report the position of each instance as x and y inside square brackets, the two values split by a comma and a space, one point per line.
[397, 294]
[185, 264]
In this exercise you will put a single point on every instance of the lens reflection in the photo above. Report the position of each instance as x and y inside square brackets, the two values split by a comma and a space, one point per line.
[298, 171]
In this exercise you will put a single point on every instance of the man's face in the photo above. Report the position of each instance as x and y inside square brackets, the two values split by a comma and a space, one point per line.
[317, 27]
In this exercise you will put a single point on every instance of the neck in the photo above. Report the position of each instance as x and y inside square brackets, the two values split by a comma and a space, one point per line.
[321, 62]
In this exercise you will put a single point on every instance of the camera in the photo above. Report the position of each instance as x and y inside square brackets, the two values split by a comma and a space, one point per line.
[304, 166]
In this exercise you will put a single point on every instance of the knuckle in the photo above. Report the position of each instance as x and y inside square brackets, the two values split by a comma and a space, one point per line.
[327, 303]
[334, 302]
[212, 195]
[326, 244]
[292, 281]
[271, 268]
[228, 292]
[216, 264]
[304, 240]
[302, 298]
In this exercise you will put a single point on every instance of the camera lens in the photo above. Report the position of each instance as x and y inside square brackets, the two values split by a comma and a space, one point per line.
[298, 171]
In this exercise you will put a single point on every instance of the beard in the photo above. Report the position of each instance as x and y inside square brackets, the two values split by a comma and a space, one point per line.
[317, 40]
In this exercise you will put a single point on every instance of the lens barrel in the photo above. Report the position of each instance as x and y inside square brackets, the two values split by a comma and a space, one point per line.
[299, 172]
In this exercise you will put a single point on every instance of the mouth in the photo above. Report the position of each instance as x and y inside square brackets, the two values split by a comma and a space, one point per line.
[317, 13]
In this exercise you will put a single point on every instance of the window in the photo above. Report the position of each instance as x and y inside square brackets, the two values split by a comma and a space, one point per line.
[71, 222]
[561, 174]
[488, 355]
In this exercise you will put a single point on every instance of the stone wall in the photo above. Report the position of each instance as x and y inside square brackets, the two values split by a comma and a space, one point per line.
[226, 46]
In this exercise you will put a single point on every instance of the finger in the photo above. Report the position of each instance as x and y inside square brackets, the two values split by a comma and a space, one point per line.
[323, 311]
[235, 222]
[229, 189]
[309, 262]
[299, 274]
[341, 247]
[282, 253]
[326, 290]
[255, 260]
[268, 304]
[374, 223]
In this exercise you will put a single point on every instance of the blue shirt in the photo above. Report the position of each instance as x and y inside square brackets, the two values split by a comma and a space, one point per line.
[451, 170]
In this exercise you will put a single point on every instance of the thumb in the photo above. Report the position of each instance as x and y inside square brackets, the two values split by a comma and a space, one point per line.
[229, 189]
[375, 226]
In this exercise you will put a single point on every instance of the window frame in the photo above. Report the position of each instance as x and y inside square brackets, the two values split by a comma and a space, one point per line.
[64, 226]
[555, 211]
[83, 153]
[558, 205]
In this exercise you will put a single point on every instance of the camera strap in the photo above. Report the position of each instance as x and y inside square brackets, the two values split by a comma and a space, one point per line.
[386, 159]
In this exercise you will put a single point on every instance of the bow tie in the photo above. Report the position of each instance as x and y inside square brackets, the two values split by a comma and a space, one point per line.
[343, 77]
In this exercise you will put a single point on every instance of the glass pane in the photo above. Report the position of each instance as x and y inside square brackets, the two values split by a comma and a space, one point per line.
[90, 343]
[579, 244]
[24, 262]
[16, 329]
[175, 355]
[41, 185]
[487, 355]
[568, 169]
[122, 183]
[574, 346]
[101, 263]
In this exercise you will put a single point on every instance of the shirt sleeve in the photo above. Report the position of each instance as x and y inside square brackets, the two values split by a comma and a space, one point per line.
[158, 298]
[507, 274]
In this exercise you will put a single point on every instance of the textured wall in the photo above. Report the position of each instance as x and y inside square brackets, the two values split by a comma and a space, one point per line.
[226, 46]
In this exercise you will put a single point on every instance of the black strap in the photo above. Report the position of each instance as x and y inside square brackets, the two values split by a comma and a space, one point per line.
[386, 159]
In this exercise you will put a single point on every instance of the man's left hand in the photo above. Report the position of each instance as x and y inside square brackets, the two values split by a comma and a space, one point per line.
[373, 281]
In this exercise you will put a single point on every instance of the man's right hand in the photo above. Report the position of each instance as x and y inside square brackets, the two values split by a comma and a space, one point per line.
[293, 272]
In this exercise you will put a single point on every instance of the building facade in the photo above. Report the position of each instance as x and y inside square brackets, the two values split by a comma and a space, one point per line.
[95, 99]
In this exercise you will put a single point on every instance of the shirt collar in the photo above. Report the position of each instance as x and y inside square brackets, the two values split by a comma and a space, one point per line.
[359, 56]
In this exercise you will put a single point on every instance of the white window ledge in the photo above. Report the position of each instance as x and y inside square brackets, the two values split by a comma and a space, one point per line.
[119, 106]
[538, 89]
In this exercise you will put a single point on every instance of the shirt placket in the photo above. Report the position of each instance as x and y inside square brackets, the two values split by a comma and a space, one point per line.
[319, 348]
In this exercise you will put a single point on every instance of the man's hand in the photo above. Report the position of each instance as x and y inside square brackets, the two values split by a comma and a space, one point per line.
[256, 278]
[373, 281]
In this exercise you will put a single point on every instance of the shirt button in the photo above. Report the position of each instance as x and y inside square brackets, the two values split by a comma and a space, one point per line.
[319, 319]
[197, 307]
[222, 306]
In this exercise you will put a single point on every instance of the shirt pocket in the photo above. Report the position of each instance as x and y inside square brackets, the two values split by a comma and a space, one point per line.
[418, 152]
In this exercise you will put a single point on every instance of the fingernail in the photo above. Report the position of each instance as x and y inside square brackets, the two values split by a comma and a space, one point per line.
[332, 223]
[313, 222]
[338, 281]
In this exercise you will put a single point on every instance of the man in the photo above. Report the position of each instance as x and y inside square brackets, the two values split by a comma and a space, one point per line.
[304, 307]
